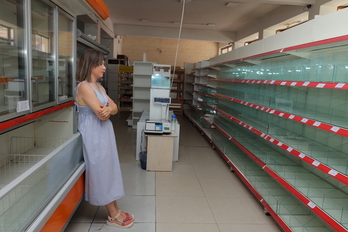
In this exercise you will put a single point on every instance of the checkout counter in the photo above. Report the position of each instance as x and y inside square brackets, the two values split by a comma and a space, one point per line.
[162, 149]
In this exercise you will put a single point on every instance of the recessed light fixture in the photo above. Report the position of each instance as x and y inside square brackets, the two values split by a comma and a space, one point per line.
[232, 4]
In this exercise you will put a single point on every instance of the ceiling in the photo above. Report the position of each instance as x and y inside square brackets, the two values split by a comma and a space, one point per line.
[211, 15]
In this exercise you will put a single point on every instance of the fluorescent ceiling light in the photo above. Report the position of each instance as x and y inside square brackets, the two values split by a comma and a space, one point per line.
[232, 4]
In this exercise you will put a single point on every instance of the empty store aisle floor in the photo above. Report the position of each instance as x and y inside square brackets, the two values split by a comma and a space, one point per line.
[199, 195]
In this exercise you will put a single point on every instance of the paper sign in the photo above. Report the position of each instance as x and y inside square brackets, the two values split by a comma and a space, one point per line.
[22, 106]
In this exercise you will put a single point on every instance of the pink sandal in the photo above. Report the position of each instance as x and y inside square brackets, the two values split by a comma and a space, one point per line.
[116, 222]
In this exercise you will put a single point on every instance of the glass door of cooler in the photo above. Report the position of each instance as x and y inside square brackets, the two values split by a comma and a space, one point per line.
[43, 53]
[66, 56]
[13, 59]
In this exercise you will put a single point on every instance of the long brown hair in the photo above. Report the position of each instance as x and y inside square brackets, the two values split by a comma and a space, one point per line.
[88, 60]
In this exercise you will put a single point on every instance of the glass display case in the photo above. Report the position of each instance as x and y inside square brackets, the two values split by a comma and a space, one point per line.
[13, 59]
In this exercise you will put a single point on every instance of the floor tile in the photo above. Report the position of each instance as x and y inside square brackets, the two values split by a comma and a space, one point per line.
[248, 228]
[239, 210]
[224, 188]
[136, 181]
[179, 171]
[187, 187]
[204, 156]
[213, 172]
[137, 227]
[178, 227]
[183, 210]
[85, 212]
[78, 226]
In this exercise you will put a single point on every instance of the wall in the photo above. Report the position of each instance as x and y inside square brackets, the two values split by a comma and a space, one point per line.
[163, 50]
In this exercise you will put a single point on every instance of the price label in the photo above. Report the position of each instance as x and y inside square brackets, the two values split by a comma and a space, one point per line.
[258, 82]
[316, 124]
[306, 83]
[281, 114]
[263, 135]
[304, 120]
[257, 107]
[301, 155]
[335, 128]
[272, 111]
[251, 105]
[272, 139]
[272, 82]
[283, 83]
[262, 108]
[339, 85]
[280, 144]
[321, 85]
[291, 116]
[293, 83]
[333, 172]
[316, 163]
[241, 102]
[311, 205]
[289, 149]
[265, 81]
[22, 105]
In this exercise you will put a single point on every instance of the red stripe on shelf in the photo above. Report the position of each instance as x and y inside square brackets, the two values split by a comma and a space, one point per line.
[327, 170]
[318, 211]
[300, 119]
[323, 215]
[33, 116]
[317, 43]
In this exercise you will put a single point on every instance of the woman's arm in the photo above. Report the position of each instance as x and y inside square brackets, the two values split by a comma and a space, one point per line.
[87, 96]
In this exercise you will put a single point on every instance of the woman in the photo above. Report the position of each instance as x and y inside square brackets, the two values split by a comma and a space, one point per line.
[103, 185]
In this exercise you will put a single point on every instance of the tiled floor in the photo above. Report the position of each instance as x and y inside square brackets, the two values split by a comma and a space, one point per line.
[199, 195]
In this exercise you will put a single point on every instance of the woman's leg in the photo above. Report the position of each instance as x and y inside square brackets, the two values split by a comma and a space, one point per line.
[113, 210]
[116, 217]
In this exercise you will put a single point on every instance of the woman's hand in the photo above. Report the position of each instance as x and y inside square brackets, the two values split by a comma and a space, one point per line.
[104, 113]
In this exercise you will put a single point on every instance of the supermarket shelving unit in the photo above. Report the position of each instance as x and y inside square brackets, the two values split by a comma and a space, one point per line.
[141, 89]
[281, 125]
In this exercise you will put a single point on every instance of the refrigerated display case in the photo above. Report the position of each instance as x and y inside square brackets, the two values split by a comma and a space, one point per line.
[41, 162]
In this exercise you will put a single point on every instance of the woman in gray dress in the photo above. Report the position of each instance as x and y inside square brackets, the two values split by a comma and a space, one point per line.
[103, 184]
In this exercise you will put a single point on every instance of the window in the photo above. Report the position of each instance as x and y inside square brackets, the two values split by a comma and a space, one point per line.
[226, 48]
[40, 43]
[6, 35]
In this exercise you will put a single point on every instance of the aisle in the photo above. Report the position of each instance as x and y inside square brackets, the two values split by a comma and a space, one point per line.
[200, 194]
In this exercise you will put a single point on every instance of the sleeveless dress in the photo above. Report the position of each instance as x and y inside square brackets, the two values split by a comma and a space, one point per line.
[103, 178]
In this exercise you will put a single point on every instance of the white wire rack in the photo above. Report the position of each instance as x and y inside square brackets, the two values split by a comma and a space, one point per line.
[24, 153]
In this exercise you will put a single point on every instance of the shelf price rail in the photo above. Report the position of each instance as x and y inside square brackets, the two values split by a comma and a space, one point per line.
[312, 206]
[275, 216]
[297, 118]
[315, 163]
[310, 84]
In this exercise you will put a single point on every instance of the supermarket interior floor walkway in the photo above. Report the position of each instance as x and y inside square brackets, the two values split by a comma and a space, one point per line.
[201, 194]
